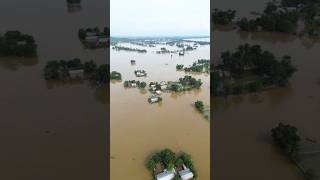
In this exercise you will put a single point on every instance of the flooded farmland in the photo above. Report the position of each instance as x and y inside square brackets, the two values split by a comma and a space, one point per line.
[51, 130]
[242, 146]
[139, 128]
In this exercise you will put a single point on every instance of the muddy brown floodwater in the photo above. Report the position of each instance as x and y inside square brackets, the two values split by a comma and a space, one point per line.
[138, 128]
[241, 124]
[51, 132]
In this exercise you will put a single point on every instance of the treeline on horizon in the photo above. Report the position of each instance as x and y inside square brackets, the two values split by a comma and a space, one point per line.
[281, 17]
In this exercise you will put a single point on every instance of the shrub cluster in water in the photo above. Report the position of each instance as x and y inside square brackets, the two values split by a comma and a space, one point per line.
[114, 75]
[14, 43]
[62, 69]
[286, 137]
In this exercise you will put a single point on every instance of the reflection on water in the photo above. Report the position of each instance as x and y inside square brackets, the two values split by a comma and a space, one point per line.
[14, 63]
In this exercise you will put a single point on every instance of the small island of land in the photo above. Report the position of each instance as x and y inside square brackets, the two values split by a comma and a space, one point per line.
[250, 69]
[94, 38]
[15, 43]
[165, 164]
[287, 139]
[74, 68]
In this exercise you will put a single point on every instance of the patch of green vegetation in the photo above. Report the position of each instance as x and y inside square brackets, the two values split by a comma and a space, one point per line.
[250, 69]
[179, 67]
[15, 43]
[169, 160]
[66, 69]
[114, 75]
[220, 17]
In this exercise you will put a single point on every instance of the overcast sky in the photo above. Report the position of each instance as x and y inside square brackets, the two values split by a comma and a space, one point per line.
[160, 17]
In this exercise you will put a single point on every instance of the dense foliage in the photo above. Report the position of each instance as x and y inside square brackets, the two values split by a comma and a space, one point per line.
[60, 70]
[223, 17]
[272, 20]
[262, 63]
[199, 105]
[250, 69]
[114, 75]
[170, 160]
[202, 65]
[286, 137]
[14, 43]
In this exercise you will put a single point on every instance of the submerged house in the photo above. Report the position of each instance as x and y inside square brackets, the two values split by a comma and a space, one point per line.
[181, 53]
[154, 99]
[163, 85]
[91, 39]
[186, 173]
[76, 73]
[133, 62]
[165, 175]
[140, 73]
[103, 41]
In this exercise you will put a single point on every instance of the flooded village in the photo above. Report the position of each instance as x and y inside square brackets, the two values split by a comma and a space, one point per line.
[155, 84]
[250, 117]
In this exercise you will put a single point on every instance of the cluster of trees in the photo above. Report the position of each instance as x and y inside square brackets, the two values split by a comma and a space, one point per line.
[179, 67]
[15, 43]
[114, 75]
[250, 69]
[271, 20]
[286, 137]
[82, 33]
[60, 70]
[199, 105]
[311, 18]
[189, 81]
[122, 48]
[220, 17]
[202, 65]
[139, 84]
[170, 160]
[262, 63]
[216, 83]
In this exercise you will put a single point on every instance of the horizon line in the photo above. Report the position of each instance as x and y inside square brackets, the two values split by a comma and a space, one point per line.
[158, 36]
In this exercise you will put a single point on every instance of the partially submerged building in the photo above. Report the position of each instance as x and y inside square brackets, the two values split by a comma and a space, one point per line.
[140, 73]
[165, 175]
[186, 173]
[76, 73]
[154, 99]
